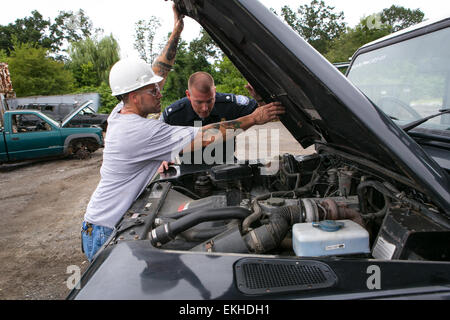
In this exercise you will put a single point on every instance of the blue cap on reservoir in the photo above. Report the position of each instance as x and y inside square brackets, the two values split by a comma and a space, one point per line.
[329, 225]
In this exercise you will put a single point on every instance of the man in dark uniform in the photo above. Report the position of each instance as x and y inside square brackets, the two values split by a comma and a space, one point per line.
[203, 106]
[226, 107]
[203, 103]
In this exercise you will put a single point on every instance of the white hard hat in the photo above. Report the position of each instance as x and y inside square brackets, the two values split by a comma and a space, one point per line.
[130, 74]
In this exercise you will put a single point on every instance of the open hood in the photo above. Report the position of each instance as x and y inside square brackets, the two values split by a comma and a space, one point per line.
[75, 111]
[323, 107]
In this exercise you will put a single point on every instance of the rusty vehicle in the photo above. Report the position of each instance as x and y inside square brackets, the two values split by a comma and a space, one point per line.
[365, 217]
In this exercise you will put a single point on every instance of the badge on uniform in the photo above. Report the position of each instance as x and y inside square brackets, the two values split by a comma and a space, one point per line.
[242, 100]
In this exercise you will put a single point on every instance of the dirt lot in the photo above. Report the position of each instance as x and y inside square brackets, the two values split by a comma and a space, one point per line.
[42, 207]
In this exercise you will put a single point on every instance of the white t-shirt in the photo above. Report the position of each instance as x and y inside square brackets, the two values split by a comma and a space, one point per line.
[134, 150]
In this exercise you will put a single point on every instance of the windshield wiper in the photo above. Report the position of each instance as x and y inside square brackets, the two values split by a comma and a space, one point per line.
[414, 124]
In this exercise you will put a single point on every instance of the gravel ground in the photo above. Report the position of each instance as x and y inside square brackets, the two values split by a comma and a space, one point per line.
[42, 207]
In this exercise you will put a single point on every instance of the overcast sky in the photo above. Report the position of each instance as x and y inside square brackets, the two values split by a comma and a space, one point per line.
[119, 17]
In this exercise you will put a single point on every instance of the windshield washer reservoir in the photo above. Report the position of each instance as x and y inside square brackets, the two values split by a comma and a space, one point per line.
[310, 240]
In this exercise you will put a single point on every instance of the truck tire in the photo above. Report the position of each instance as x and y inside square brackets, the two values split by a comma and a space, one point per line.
[82, 149]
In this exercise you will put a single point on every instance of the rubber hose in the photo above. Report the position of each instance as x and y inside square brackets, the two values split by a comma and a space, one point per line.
[169, 231]
[270, 236]
[193, 235]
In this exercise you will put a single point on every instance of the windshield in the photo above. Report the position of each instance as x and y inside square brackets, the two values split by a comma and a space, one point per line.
[408, 80]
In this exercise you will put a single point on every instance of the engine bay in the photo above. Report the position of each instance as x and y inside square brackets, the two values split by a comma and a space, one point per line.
[329, 204]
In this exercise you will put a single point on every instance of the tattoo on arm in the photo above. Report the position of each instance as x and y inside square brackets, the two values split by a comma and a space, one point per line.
[163, 69]
[172, 49]
[233, 125]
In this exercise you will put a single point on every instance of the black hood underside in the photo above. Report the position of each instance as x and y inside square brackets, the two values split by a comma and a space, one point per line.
[323, 107]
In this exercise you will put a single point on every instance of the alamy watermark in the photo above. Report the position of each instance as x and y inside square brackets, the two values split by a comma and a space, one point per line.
[373, 21]
[253, 145]
[73, 281]
[374, 281]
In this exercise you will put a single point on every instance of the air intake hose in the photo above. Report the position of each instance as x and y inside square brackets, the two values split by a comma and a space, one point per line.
[270, 236]
[167, 232]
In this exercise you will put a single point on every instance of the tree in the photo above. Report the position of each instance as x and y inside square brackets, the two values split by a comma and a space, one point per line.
[368, 30]
[192, 57]
[67, 27]
[107, 101]
[34, 73]
[177, 81]
[345, 46]
[228, 78]
[92, 60]
[316, 23]
[144, 41]
[71, 27]
[31, 29]
[204, 46]
[201, 54]
[400, 18]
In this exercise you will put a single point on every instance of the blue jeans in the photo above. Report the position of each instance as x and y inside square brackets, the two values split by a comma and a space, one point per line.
[92, 238]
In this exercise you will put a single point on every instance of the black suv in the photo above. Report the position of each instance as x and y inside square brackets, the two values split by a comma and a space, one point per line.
[367, 216]
[59, 111]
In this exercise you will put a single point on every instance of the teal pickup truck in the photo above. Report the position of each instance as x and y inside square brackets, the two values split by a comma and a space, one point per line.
[30, 134]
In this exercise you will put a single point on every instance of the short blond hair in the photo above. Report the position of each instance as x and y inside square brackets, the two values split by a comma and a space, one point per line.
[201, 81]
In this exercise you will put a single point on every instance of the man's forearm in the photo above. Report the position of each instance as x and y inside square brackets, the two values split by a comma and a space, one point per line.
[230, 129]
[242, 123]
[164, 63]
[225, 130]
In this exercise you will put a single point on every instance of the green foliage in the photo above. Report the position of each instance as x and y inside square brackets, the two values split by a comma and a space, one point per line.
[229, 79]
[144, 39]
[400, 18]
[31, 29]
[107, 101]
[27, 43]
[317, 23]
[34, 73]
[85, 75]
[92, 60]
[202, 54]
[204, 46]
[392, 19]
[187, 62]
[71, 26]
[345, 46]
[68, 26]
[3, 55]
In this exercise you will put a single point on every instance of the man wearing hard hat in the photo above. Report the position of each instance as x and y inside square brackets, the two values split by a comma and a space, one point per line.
[135, 146]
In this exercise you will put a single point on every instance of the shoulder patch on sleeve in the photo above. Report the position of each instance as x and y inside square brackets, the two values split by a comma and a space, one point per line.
[173, 108]
[225, 98]
[242, 100]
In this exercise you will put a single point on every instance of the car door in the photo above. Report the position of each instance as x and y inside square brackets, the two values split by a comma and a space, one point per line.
[33, 136]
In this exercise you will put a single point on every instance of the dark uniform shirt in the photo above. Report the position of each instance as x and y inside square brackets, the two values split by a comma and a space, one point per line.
[226, 108]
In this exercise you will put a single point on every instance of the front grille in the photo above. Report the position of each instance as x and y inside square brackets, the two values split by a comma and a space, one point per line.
[265, 276]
